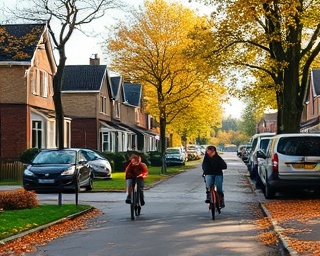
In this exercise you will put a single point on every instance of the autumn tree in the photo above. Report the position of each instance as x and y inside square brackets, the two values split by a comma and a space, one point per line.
[278, 39]
[70, 15]
[198, 120]
[151, 48]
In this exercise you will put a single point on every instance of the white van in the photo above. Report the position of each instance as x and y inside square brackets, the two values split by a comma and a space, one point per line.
[291, 161]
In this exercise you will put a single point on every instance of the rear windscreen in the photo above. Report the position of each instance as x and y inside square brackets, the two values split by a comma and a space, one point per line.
[299, 146]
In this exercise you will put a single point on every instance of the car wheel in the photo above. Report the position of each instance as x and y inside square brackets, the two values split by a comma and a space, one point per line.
[269, 192]
[259, 183]
[90, 185]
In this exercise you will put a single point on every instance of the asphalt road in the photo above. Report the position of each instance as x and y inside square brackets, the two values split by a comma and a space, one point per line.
[174, 221]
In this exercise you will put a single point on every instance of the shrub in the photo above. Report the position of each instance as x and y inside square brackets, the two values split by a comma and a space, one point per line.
[155, 158]
[117, 160]
[18, 199]
[28, 155]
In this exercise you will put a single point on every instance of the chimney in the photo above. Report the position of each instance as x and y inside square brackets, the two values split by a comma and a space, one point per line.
[94, 60]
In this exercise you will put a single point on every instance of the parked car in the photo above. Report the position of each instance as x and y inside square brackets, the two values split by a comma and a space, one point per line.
[193, 152]
[176, 155]
[255, 146]
[101, 166]
[65, 169]
[291, 161]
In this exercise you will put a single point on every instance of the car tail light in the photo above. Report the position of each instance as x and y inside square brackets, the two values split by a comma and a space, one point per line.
[275, 162]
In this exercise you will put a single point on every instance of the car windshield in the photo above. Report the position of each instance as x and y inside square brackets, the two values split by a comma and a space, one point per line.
[264, 144]
[299, 146]
[55, 157]
[172, 151]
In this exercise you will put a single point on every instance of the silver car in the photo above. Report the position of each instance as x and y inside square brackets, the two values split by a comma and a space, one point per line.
[176, 155]
[291, 161]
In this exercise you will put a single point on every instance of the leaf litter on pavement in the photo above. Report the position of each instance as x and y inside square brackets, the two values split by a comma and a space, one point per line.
[297, 219]
[28, 243]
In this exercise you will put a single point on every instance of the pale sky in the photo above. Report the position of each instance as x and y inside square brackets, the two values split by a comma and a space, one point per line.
[81, 47]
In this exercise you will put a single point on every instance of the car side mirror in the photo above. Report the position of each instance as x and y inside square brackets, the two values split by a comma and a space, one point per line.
[83, 162]
[261, 154]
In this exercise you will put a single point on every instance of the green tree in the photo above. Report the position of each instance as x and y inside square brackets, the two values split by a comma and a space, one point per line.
[277, 40]
[151, 48]
[70, 14]
[248, 123]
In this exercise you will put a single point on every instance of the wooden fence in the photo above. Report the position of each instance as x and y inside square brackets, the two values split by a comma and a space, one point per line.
[11, 171]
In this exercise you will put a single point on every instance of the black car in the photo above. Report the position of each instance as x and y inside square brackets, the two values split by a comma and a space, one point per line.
[65, 169]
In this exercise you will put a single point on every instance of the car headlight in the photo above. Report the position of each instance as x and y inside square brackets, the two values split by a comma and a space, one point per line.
[27, 172]
[69, 171]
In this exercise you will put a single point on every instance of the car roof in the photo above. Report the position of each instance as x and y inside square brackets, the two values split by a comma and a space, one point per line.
[297, 135]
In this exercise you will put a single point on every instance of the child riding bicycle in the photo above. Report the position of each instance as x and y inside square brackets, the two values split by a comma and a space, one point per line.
[138, 171]
[212, 167]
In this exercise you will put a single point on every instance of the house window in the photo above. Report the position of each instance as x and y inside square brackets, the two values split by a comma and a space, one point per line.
[108, 141]
[67, 131]
[37, 133]
[117, 109]
[51, 139]
[43, 84]
[39, 82]
[103, 104]
[137, 116]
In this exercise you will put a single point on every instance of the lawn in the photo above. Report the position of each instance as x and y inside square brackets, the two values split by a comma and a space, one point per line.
[13, 222]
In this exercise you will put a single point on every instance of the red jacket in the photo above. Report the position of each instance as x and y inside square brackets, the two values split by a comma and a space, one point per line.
[136, 171]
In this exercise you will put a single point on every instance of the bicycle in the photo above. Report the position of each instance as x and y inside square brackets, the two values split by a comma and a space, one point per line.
[135, 203]
[214, 204]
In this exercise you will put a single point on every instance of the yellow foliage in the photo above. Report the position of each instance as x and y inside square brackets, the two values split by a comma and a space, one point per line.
[153, 48]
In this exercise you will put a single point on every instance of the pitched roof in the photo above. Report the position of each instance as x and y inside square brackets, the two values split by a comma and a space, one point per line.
[132, 93]
[115, 86]
[316, 80]
[83, 77]
[314, 83]
[14, 46]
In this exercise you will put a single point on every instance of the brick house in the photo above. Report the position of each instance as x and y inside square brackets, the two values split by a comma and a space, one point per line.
[106, 115]
[268, 123]
[310, 119]
[27, 116]
[134, 117]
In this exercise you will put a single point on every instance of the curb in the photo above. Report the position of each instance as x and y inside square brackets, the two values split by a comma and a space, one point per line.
[279, 232]
[275, 225]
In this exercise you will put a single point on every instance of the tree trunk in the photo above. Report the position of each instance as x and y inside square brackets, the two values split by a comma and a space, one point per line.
[57, 86]
[290, 105]
[163, 141]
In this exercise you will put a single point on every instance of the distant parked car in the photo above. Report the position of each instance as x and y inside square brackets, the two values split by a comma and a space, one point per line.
[67, 169]
[291, 161]
[256, 144]
[176, 155]
[193, 152]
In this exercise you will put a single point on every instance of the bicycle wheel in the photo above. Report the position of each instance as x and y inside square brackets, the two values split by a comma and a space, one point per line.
[213, 203]
[137, 207]
[218, 202]
[132, 211]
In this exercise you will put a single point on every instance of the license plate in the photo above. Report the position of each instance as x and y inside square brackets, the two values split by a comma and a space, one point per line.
[304, 166]
[46, 181]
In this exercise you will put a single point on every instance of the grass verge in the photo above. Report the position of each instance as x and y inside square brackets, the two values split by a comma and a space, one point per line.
[17, 221]
[118, 178]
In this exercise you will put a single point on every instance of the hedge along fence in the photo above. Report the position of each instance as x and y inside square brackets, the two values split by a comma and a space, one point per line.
[11, 171]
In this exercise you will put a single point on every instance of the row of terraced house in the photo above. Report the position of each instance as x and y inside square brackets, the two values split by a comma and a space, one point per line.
[102, 111]
[310, 118]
